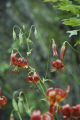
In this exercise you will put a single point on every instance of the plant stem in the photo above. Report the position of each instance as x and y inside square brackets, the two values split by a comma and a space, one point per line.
[29, 37]
[18, 52]
[56, 116]
[42, 89]
[44, 84]
[48, 59]
[72, 47]
[19, 115]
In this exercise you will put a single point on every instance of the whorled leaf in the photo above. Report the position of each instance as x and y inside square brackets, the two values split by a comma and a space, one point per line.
[75, 9]
[72, 32]
[72, 21]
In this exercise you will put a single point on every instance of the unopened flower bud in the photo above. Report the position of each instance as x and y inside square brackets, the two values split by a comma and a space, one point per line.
[11, 116]
[54, 49]
[36, 115]
[62, 52]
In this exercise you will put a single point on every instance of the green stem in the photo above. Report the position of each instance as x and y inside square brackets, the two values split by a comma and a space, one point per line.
[72, 47]
[30, 31]
[56, 116]
[19, 115]
[48, 59]
[44, 84]
[42, 89]
[18, 52]
[29, 37]
[16, 26]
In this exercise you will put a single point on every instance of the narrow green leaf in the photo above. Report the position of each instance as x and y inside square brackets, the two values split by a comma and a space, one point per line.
[77, 43]
[44, 99]
[20, 105]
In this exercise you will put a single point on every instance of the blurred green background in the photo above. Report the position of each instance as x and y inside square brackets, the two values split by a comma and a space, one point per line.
[46, 19]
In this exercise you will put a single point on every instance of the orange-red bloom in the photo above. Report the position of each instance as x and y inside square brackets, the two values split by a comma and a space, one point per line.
[54, 49]
[56, 95]
[58, 64]
[18, 61]
[47, 116]
[71, 113]
[3, 99]
[54, 108]
[36, 115]
[32, 77]
[62, 52]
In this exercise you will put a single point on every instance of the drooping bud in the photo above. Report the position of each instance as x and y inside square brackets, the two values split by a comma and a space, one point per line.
[36, 115]
[11, 116]
[62, 52]
[54, 49]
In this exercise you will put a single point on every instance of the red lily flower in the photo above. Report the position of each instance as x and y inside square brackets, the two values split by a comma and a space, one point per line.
[32, 77]
[55, 108]
[18, 61]
[54, 49]
[58, 64]
[47, 116]
[71, 113]
[36, 115]
[62, 53]
[56, 95]
[3, 99]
